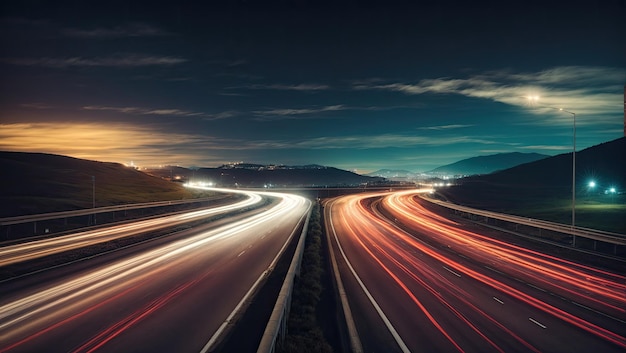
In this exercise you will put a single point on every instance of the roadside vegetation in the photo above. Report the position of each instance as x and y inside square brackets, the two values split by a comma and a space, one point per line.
[597, 211]
[304, 333]
[40, 183]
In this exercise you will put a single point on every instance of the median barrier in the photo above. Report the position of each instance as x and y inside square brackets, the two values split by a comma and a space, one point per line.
[276, 328]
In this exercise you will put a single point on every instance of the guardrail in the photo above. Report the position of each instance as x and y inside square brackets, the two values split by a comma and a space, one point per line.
[54, 222]
[277, 324]
[615, 239]
[89, 211]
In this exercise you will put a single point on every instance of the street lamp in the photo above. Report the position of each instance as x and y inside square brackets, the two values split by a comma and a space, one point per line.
[93, 197]
[535, 99]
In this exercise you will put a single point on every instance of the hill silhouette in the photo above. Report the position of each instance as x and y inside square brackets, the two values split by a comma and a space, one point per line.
[603, 162]
[39, 182]
[542, 189]
[488, 164]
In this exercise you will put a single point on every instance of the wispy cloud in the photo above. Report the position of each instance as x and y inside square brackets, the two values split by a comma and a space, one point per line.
[585, 90]
[129, 30]
[144, 111]
[119, 60]
[284, 87]
[165, 112]
[369, 142]
[36, 105]
[318, 112]
[546, 147]
[444, 127]
[283, 113]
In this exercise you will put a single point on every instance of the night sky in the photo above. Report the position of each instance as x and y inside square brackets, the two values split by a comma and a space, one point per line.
[350, 84]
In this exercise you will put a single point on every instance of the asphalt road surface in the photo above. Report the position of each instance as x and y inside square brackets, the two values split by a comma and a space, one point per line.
[419, 282]
[176, 294]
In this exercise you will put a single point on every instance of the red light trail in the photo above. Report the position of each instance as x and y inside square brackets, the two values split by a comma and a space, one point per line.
[394, 238]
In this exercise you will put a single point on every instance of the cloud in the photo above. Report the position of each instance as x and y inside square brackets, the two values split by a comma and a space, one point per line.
[546, 147]
[144, 111]
[444, 127]
[37, 105]
[129, 30]
[113, 142]
[164, 112]
[222, 115]
[584, 90]
[235, 63]
[368, 142]
[290, 112]
[89, 140]
[298, 87]
[315, 113]
[119, 60]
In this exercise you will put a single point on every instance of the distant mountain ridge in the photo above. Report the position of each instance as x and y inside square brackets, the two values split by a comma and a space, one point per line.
[258, 175]
[391, 173]
[488, 164]
[605, 161]
[42, 182]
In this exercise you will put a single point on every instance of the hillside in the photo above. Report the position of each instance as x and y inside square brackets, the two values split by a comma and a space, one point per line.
[254, 175]
[39, 183]
[488, 164]
[542, 189]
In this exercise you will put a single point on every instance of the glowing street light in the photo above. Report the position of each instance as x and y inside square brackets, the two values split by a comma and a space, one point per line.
[592, 184]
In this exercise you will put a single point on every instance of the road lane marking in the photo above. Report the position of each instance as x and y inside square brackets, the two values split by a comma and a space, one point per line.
[355, 340]
[598, 312]
[498, 300]
[494, 270]
[541, 289]
[452, 272]
[379, 310]
[537, 323]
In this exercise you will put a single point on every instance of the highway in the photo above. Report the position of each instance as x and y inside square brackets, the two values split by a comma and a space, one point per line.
[419, 282]
[20, 252]
[178, 293]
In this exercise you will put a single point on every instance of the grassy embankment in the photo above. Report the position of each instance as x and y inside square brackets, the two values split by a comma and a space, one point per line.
[596, 211]
[40, 183]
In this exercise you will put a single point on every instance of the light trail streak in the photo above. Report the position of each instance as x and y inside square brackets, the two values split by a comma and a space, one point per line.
[35, 249]
[31, 316]
[604, 288]
[396, 253]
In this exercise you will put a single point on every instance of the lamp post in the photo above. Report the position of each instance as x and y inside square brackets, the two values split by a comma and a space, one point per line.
[93, 197]
[573, 172]
[536, 98]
